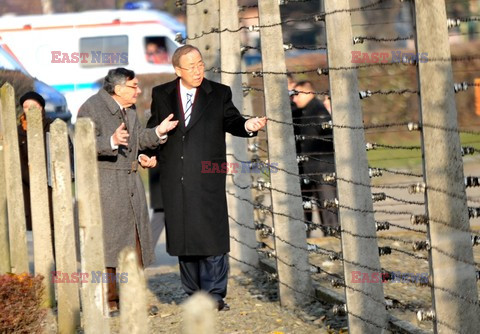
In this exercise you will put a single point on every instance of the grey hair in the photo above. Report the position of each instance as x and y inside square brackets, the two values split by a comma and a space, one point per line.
[183, 50]
[117, 76]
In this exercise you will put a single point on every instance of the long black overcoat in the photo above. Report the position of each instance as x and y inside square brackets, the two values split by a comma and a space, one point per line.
[195, 203]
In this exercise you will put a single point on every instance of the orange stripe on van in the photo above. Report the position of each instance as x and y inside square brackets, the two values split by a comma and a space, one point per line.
[114, 23]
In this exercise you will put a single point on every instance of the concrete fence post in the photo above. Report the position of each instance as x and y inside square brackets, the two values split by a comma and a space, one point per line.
[242, 228]
[451, 247]
[13, 180]
[42, 232]
[68, 300]
[199, 315]
[133, 294]
[5, 265]
[94, 301]
[203, 19]
[365, 302]
[290, 235]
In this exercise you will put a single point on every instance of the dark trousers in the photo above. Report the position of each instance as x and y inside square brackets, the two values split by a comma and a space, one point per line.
[321, 192]
[207, 273]
[112, 293]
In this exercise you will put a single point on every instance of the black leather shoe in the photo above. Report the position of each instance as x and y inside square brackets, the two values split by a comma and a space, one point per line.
[222, 306]
[152, 310]
[113, 314]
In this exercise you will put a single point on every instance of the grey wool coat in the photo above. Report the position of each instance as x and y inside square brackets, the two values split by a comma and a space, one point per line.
[124, 205]
[195, 203]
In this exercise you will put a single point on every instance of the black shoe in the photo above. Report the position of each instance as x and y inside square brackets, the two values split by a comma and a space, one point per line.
[113, 314]
[222, 306]
[152, 310]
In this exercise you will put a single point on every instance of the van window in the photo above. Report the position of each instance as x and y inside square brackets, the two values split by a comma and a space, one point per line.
[104, 51]
[8, 63]
[159, 49]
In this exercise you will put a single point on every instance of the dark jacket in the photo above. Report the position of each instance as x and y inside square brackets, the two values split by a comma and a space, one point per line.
[312, 140]
[195, 203]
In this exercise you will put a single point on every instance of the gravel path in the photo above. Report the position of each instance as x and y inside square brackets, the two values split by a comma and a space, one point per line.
[254, 308]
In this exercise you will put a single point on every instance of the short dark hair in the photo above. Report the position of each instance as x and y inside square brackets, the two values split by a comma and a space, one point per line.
[183, 50]
[32, 96]
[307, 84]
[117, 76]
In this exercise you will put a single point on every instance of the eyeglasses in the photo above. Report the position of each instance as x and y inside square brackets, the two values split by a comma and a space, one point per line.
[191, 69]
[134, 87]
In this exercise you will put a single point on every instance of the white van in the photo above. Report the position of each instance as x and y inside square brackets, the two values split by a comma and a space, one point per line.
[74, 51]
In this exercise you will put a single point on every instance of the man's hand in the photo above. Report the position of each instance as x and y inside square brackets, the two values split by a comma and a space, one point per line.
[255, 124]
[147, 162]
[120, 136]
[166, 126]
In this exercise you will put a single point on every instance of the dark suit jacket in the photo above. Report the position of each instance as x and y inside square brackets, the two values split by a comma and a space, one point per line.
[195, 203]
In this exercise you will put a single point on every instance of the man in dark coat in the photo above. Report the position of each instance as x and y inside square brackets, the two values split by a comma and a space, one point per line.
[120, 136]
[192, 171]
[317, 144]
[157, 220]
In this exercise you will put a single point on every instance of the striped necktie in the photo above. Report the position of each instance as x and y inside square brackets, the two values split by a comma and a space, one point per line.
[188, 108]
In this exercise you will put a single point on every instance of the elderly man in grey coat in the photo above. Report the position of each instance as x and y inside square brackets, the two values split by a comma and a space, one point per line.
[119, 137]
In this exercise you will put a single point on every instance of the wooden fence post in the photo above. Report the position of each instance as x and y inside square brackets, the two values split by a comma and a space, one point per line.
[133, 294]
[455, 287]
[365, 301]
[290, 236]
[94, 301]
[242, 229]
[65, 244]
[13, 179]
[42, 232]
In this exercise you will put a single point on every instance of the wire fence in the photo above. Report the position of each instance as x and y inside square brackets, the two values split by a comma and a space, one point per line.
[400, 210]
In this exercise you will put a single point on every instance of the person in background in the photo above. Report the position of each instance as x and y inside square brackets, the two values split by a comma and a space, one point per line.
[119, 138]
[155, 54]
[195, 203]
[317, 144]
[27, 101]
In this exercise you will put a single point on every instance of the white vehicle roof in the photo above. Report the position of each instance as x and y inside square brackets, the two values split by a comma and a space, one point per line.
[93, 17]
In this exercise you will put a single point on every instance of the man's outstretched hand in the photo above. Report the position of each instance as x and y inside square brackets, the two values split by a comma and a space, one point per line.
[166, 126]
[255, 124]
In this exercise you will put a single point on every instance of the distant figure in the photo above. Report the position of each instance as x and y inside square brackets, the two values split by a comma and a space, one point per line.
[327, 104]
[30, 99]
[317, 144]
[155, 54]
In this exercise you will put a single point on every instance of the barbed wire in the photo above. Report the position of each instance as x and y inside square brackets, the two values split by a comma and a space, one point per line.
[339, 257]
[312, 296]
[314, 156]
[360, 39]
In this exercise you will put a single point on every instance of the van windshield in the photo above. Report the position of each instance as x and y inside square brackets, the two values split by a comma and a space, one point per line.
[7, 62]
